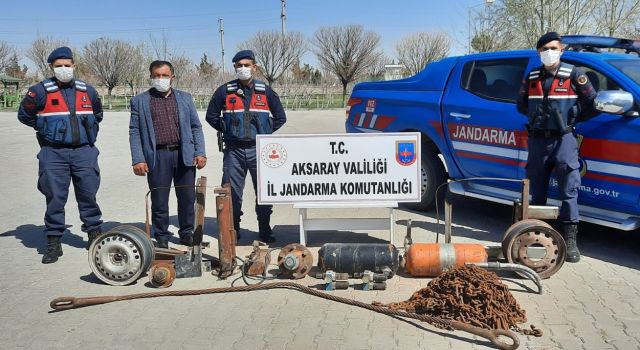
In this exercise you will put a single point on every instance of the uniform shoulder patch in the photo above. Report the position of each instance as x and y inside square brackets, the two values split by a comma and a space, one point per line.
[582, 79]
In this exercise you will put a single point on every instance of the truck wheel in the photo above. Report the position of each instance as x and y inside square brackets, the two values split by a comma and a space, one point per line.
[432, 176]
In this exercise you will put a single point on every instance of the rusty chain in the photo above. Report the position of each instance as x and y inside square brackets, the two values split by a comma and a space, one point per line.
[472, 295]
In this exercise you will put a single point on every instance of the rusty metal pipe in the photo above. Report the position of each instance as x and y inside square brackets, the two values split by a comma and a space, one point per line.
[226, 231]
[523, 270]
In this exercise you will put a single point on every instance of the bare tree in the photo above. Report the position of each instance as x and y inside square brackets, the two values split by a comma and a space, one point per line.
[274, 52]
[488, 33]
[40, 50]
[108, 59]
[160, 46]
[137, 70]
[525, 20]
[417, 50]
[346, 51]
[183, 68]
[6, 54]
[617, 17]
[376, 70]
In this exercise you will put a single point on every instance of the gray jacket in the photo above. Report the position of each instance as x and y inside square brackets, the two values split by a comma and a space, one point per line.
[142, 138]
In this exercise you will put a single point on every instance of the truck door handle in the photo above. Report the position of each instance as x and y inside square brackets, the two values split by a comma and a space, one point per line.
[460, 115]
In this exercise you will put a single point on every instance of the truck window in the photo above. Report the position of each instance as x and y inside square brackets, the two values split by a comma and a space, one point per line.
[494, 79]
[630, 68]
[597, 79]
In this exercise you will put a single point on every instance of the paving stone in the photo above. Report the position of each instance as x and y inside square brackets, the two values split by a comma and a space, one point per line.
[590, 305]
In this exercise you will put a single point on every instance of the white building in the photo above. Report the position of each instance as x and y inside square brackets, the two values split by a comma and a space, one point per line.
[393, 71]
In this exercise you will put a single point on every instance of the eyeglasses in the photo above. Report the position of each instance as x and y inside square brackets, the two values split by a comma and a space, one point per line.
[549, 48]
[238, 65]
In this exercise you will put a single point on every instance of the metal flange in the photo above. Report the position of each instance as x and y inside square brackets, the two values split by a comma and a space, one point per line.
[295, 261]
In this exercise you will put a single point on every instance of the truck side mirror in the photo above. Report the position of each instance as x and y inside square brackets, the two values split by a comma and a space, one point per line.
[613, 101]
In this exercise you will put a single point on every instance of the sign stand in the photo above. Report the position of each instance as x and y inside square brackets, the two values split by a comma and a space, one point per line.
[369, 223]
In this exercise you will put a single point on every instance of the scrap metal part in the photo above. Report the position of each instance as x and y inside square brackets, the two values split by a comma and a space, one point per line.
[121, 255]
[162, 274]
[226, 232]
[295, 261]
[355, 258]
[495, 336]
[374, 281]
[536, 245]
[520, 269]
[258, 261]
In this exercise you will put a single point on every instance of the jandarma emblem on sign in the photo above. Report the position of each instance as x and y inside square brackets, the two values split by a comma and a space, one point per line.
[273, 155]
[405, 152]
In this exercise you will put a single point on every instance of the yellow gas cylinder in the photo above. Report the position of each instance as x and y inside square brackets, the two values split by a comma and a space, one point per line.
[432, 259]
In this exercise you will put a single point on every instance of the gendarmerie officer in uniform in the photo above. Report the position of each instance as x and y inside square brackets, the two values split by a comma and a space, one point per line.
[241, 109]
[554, 97]
[65, 113]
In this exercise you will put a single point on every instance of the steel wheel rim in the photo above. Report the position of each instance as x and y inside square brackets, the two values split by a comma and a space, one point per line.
[116, 258]
[529, 233]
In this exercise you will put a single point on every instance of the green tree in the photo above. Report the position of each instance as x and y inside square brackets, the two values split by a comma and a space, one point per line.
[14, 69]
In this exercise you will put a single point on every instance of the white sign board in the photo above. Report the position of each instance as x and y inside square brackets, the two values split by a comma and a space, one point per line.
[338, 168]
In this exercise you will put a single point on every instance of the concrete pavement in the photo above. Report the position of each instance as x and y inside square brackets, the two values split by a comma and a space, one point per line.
[594, 304]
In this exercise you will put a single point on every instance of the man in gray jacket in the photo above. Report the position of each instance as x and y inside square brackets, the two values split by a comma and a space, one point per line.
[167, 144]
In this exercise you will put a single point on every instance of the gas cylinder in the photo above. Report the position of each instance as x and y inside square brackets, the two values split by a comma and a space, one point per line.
[432, 259]
[355, 258]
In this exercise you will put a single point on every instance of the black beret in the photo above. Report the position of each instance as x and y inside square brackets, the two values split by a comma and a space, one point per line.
[242, 55]
[550, 36]
[61, 52]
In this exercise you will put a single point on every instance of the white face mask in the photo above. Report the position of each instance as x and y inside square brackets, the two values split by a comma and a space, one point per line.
[243, 73]
[63, 74]
[161, 84]
[550, 57]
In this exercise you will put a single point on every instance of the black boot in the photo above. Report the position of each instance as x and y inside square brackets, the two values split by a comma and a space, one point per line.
[236, 227]
[162, 242]
[570, 236]
[266, 235]
[91, 236]
[187, 239]
[54, 250]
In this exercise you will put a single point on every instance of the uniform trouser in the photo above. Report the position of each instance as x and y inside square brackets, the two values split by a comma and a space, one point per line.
[58, 166]
[170, 167]
[558, 154]
[237, 161]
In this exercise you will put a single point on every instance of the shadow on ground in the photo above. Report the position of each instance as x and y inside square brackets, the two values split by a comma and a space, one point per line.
[285, 234]
[32, 236]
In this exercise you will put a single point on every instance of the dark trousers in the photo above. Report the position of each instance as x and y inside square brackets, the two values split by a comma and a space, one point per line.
[558, 154]
[237, 161]
[170, 167]
[58, 167]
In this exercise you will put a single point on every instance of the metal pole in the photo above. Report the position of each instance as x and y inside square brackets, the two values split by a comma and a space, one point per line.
[221, 30]
[541, 17]
[469, 27]
[283, 16]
